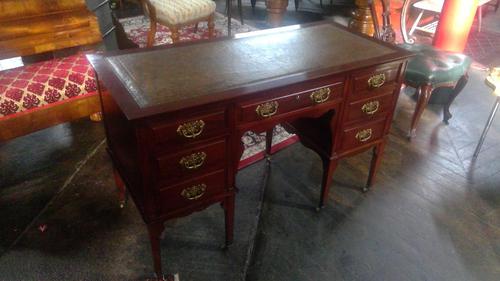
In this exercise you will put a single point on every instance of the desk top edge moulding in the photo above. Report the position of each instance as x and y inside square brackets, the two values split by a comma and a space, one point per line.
[174, 116]
[256, 65]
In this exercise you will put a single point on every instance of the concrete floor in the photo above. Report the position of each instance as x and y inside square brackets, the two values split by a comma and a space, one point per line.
[434, 214]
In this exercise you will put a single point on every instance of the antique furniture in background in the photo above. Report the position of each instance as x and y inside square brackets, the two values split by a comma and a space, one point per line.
[430, 69]
[175, 140]
[362, 17]
[435, 7]
[33, 27]
[493, 81]
[44, 94]
[177, 13]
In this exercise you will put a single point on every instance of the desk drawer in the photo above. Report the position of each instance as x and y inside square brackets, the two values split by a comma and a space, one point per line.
[360, 135]
[191, 162]
[375, 81]
[189, 130]
[253, 111]
[192, 192]
[369, 109]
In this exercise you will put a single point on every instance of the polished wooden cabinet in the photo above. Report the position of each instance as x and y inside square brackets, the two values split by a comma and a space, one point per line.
[175, 115]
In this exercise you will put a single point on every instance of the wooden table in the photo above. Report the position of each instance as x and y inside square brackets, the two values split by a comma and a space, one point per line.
[174, 116]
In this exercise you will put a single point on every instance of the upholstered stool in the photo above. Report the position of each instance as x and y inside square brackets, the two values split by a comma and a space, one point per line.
[177, 13]
[431, 69]
[493, 81]
[44, 94]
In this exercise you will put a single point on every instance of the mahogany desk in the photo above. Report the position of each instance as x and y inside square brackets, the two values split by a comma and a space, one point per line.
[174, 116]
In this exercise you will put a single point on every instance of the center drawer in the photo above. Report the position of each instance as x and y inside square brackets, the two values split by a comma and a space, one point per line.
[263, 109]
[192, 192]
[191, 162]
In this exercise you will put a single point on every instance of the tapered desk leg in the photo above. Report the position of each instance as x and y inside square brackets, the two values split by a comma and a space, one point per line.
[269, 142]
[122, 191]
[155, 230]
[329, 167]
[487, 127]
[376, 160]
[229, 219]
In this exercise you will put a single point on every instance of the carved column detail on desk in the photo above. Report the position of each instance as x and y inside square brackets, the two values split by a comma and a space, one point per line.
[362, 20]
[275, 11]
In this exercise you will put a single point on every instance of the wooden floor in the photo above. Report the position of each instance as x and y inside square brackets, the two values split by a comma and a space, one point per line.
[434, 214]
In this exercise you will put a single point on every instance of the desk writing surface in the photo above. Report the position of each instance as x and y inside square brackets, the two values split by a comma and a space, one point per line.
[162, 76]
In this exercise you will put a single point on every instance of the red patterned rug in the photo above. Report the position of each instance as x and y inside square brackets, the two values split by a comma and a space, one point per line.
[137, 29]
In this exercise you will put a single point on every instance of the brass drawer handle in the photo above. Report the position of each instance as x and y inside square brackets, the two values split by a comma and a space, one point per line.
[321, 95]
[267, 109]
[371, 107]
[364, 135]
[193, 161]
[376, 81]
[192, 129]
[194, 192]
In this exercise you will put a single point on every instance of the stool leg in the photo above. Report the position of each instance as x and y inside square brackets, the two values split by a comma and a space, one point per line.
[229, 4]
[240, 10]
[487, 127]
[151, 34]
[458, 88]
[424, 93]
[211, 26]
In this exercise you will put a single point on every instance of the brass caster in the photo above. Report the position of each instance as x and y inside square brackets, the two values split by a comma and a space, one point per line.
[122, 204]
[365, 189]
[318, 209]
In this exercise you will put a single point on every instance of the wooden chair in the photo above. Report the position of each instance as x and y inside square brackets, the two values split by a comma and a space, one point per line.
[178, 13]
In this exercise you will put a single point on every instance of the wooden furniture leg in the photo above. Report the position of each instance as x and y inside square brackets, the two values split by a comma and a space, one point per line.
[196, 27]
[175, 34]
[211, 27]
[122, 191]
[155, 230]
[269, 142]
[229, 218]
[253, 2]
[424, 93]
[378, 151]
[329, 167]
[151, 34]
[458, 88]
[240, 10]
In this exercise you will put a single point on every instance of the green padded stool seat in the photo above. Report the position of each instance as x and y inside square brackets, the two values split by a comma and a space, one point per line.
[431, 69]
[434, 66]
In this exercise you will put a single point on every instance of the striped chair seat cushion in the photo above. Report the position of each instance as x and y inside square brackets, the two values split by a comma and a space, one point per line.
[175, 12]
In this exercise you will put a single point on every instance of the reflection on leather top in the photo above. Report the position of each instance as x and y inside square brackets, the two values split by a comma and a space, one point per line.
[166, 75]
